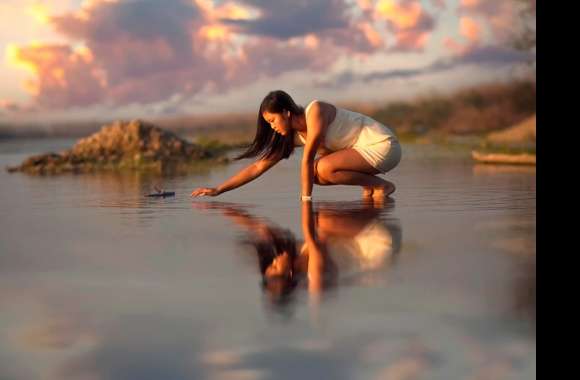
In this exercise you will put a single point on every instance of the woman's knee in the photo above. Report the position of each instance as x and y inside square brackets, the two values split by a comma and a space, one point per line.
[320, 173]
[324, 168]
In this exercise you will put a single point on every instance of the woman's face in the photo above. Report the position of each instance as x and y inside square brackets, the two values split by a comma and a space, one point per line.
[279, 122]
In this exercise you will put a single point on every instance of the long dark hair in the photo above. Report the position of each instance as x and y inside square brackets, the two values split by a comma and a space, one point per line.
[278, 242]
[267, 143]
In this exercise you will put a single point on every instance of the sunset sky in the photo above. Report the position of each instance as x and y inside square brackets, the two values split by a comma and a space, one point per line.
[75, 59]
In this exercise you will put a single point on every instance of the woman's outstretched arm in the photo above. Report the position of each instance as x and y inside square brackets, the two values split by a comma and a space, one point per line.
[314, 135]
[247, 174]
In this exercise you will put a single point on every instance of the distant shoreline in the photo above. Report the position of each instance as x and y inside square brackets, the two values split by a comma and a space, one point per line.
[478, 109]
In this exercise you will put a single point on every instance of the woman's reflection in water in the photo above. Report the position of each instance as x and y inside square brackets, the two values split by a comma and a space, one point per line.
[344, 243]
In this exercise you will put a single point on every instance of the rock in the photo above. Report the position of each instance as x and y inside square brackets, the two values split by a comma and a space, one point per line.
[128, 145]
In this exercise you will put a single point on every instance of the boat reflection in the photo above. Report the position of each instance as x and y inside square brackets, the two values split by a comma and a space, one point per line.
[344, 244]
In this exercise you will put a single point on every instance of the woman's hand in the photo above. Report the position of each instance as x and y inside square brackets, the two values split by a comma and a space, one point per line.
[205, 191]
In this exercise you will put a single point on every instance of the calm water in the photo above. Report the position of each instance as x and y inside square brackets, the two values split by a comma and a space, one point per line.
[99, 282]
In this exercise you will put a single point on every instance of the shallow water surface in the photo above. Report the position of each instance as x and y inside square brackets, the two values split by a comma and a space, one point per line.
[99, 282]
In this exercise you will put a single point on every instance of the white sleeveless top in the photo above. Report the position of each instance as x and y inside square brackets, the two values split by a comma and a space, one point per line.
[349, 129]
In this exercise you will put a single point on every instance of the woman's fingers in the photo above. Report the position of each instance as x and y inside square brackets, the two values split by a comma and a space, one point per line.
[203, 191]
[198, 192]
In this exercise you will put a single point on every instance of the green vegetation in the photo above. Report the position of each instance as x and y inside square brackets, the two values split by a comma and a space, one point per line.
[218, 145]
[473, 111]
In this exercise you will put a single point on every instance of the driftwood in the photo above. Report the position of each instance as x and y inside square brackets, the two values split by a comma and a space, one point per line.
[504, 158]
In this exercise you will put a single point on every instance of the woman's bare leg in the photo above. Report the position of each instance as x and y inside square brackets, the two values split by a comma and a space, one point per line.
[348, 167]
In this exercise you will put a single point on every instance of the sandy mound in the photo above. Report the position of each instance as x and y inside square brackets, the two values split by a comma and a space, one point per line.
[523, 133]
[120, 145]
[515, 145]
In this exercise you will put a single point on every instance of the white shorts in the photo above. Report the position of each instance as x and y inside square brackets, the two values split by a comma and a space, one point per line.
[378, 148]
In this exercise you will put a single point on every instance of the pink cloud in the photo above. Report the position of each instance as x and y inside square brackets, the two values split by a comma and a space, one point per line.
[440, 4]
[408, 21]
[148, 51]
[361, 39]
[269, 57]
[470, 29]
[8, 105]
[455, 47]
[63, 76]
[499, 15]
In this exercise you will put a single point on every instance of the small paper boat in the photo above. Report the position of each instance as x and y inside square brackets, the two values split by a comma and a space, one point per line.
[161, 193]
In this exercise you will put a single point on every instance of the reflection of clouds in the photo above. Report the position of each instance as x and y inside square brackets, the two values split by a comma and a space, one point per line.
[405, 369]
[496, 361]
[516, 237]
[221, 358]
[140, 347]
[40, 320]
[220, 364]
[367, 355]
[125, 191]
[410, 359]
[525, 288]
[76, 339]
[288, 362]
[240, 374]
[169, 342]
[56, 334]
